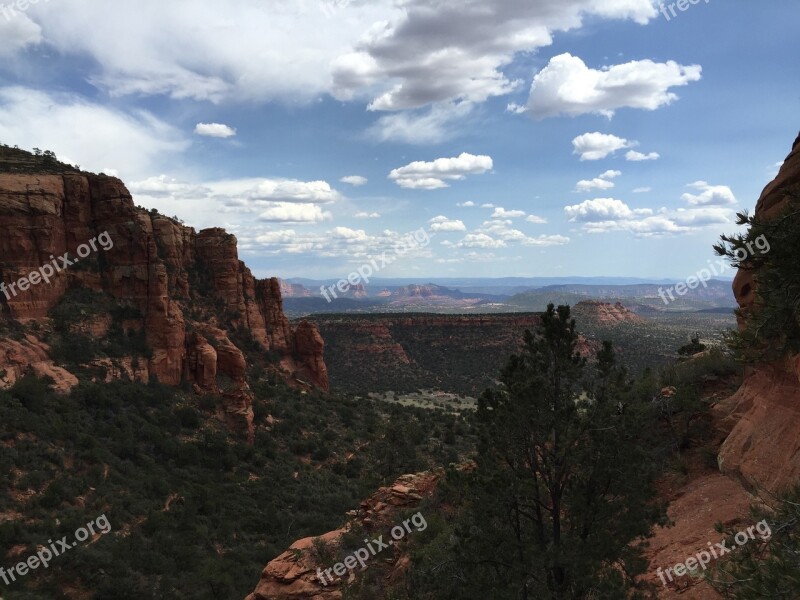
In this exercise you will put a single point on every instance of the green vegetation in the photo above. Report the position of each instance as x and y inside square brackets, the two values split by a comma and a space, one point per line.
[770, 249]
[765, 569]
[195, 511]
[562, 496]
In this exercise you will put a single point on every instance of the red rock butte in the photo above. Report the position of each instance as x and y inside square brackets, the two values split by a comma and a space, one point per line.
[156, 265]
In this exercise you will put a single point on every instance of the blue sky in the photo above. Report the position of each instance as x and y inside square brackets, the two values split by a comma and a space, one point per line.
[608, 140]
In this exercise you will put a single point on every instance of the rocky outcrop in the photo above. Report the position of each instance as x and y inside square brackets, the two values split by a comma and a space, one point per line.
[763, 446]
[188, 286]
[29, 355]
[293, 574]
[605, 313]
[760, 451]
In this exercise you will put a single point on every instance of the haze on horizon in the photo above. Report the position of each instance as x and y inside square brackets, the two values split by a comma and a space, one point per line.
[548, 139]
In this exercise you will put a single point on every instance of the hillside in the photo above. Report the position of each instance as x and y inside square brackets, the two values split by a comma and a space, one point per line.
[456, 353]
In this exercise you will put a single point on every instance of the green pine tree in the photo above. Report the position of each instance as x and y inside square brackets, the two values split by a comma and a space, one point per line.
[561, 499]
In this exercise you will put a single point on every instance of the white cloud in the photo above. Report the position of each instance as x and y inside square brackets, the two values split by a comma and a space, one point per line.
[710, 195]
[489, 205]
[96, 137]
[546, 240]
[633, 155]
[566, 86]
[367, 215]
[502, 213]
[204, 50]
[423, 126]
[442, 223]
[536, 220]
[586, 185]
[241, 200]
[456, 50]
[599, 209]
[434, 175]
[497, 233]
[216, 130]
[467, 204]
[603, 215]
[596, 145]
[17, 32]
[642, 190]
[284, 212]
[480, 240]
[354, 180]
[601, 182]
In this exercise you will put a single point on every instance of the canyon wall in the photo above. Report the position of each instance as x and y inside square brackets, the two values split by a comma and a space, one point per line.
[192, 292]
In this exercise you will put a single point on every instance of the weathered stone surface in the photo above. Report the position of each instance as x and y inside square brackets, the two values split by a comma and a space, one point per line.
[293, 574]
[153, 265]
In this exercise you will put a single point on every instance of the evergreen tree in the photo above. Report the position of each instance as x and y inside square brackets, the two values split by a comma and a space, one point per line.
[561, 498]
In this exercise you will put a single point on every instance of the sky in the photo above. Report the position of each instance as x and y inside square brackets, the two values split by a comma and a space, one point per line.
[524, 138]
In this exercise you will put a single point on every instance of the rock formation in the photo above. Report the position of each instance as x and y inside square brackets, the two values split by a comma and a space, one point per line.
[192, 292]
[764, 415]
[293, 574]
[759, 427]
[605, 313]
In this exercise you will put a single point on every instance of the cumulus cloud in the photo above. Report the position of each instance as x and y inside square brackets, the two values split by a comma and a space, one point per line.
[499, 233]
[601, 182]
[456, 50]
[502, 213]
[242, 200]
[467, 204]
[97, 137]
[642, 190]
[216, 130]
[601, 209]
[603, 215]
[204, 50]
[284, 212]
[367, 215]
[480, 240]
[354, 180]
[634, 156]
[434, 175]
[596, 145]
[442, 223]
[710, 195]
[566, 86]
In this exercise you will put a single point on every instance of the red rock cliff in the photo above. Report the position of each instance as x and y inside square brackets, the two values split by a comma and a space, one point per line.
[763, 446]
[193, 292]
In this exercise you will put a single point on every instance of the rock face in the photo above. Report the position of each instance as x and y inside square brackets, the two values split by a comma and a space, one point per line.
[764, 415]
[293, 574]
[760, 451]
[190, 288]
[605, 313]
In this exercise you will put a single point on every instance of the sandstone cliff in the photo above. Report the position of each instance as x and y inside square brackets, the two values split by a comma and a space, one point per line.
[190, 292]
[759, 428]
[763, 417]
[293, 574]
